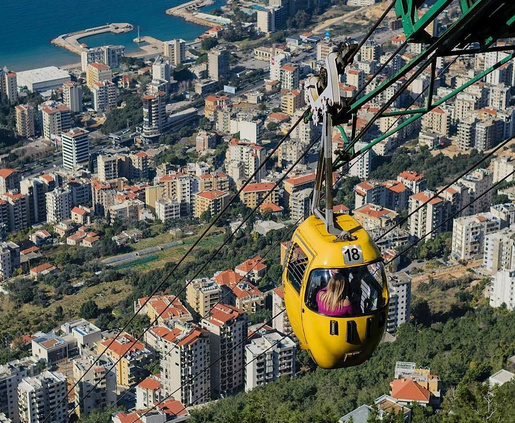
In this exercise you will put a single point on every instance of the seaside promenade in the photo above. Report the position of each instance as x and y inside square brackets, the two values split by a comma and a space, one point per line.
[188, 11]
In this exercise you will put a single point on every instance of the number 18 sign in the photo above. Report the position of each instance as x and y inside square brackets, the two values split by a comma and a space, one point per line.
[352, 254]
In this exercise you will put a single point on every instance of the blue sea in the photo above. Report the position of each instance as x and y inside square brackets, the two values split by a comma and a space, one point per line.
[28, 26]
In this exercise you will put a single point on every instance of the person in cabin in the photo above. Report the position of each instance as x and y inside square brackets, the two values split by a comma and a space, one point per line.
[333, 300]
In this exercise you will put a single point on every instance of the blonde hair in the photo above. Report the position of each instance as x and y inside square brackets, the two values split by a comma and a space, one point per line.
[336, 292]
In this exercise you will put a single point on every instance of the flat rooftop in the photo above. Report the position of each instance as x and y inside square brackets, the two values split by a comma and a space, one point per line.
[42, 74]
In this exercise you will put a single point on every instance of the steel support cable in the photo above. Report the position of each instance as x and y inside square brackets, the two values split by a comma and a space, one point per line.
[193, 246]
[201, 269]
[398, 255]
[450, 218]
[220, 301]
[441, 190]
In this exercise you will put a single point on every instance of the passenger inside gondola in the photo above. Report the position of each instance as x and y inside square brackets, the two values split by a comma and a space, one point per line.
[345, 292]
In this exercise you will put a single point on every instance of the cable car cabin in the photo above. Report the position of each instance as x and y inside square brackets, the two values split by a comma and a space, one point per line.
[313, 257]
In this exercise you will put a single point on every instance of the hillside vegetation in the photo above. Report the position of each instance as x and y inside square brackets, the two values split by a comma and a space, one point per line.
[463, 352]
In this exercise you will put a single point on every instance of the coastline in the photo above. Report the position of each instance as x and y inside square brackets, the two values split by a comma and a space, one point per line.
[33, 48]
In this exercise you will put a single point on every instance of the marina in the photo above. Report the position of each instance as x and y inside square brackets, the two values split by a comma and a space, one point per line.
[71, 42]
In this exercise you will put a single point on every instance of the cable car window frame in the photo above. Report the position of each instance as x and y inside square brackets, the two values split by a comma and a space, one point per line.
[296, 271]
[310, 300]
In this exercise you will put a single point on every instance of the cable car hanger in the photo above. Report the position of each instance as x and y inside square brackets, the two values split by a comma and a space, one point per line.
[481, 24]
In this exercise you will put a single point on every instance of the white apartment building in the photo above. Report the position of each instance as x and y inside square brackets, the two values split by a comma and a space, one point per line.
[161, 69]
[190, 357]
[104, 96]
[467, 133]
[250, 155]
[202, 295]
[505, 212]
[468, 235]
[280, 323]
[58, 205]
[478, 182]
[400, 301]
[218, 64]
[72, 96]
[414, 181]
[11, 374]
[503, 166]
[300, 204]
[9, 258]
[148, 392]
[289, 77]
[227, 327]
[39, 395]
[175, 50]
[56, 118]
[499, 97]
[96, 388]
[276, 63]
[108, 55]
[429, 219]
[268, 357]
[503, 289]
[9, 85]
[75, 144]
[499, 250]
[154, 114]
[168, 209]
[361, 166]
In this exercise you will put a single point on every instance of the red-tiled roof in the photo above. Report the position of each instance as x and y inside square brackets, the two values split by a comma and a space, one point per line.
[254, 264]
[299, 180]
[227, 277]
[409, 390]
[5, 173]
[258, 186]
[173, 407]
[411, 176]
[123, 345]
[150, 383]
[212, 194]
[279, 291]
[271, 207]
[41, 268]
[223, 313]
[78, 210]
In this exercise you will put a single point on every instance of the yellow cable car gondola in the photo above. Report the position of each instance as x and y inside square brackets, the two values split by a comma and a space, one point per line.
[332, 341]
[324, 245]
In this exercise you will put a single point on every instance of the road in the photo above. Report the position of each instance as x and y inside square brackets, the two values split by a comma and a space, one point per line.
[56, 160]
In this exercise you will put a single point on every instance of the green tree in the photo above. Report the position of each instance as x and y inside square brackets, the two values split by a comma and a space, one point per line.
[89, 310]
[208, 43]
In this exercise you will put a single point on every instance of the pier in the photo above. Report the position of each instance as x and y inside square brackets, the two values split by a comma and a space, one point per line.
[71, 41]
[189, 12]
